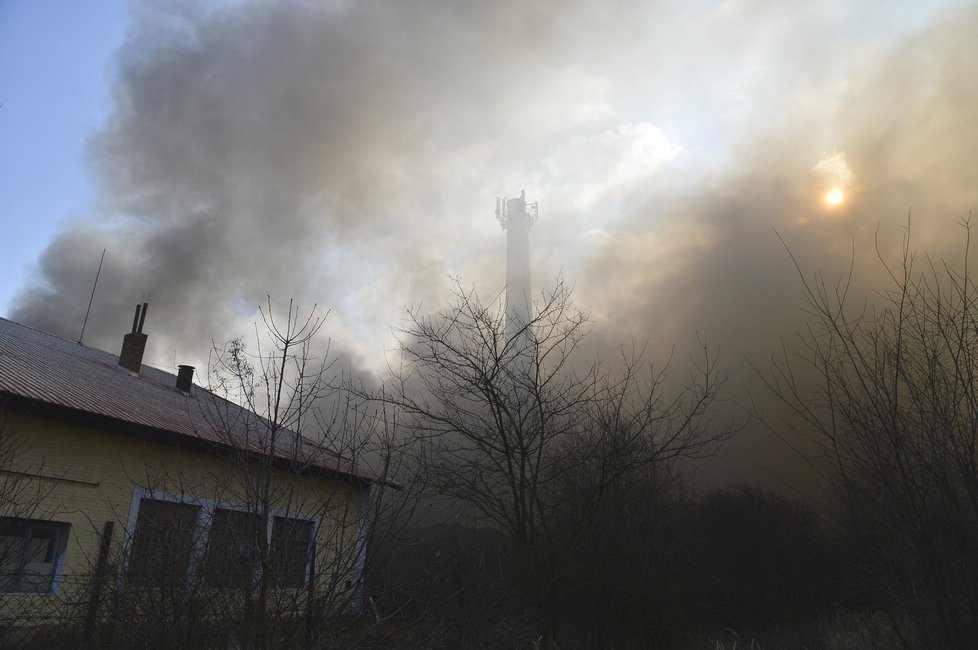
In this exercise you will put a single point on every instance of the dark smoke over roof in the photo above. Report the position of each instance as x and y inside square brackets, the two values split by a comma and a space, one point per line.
[349, 154]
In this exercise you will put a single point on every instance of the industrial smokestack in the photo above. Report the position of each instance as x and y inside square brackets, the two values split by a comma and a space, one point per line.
[134, 343]
[185, 378]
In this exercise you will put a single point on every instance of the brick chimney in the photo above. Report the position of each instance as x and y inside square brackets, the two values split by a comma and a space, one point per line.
[134, 343]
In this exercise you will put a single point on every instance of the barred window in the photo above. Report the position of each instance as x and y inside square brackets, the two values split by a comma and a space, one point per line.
[232, 549]
[221, 545]
[291, 551]
[30, 554]
[162, 543]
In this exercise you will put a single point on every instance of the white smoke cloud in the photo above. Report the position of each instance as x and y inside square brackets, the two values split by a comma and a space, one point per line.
[833, 169]
[590, 168]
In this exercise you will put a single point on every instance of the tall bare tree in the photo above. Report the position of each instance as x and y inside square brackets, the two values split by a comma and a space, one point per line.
[887, 393]
[532, 435]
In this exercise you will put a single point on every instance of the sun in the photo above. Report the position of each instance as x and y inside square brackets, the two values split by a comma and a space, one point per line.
[834, 197]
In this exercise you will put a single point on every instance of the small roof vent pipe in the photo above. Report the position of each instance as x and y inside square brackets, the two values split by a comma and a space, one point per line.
[185, 378]
[134, 343]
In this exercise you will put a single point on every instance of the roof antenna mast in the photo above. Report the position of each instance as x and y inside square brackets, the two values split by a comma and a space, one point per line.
[95, 284]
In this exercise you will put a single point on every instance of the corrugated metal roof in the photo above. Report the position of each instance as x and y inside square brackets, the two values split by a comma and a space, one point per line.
[51, 370]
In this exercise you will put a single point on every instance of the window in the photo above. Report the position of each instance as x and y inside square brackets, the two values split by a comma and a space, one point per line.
[30, 554]
[232, 549]
[173, 542]
[162, 543]
[291, 549]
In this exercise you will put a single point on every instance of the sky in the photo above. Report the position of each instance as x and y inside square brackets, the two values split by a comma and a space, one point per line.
[349, 154]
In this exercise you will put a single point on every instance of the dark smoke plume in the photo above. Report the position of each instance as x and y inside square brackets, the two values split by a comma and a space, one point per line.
[349, 154]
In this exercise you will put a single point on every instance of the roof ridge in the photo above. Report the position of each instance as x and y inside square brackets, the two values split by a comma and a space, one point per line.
[148, 364]
[54, 336]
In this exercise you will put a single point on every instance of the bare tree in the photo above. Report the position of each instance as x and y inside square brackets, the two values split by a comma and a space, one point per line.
[887, 392]
[296, 414]
[266, 545]
[531, 435]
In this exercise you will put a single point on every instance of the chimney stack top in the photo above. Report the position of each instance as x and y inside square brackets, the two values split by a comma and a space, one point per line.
[134, 343]
[185, 378]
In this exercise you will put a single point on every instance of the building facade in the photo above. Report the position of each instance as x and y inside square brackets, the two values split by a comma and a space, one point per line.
[128, 494]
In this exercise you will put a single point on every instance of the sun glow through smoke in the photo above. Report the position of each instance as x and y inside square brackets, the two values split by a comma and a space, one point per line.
[834, 197]
[834, 173]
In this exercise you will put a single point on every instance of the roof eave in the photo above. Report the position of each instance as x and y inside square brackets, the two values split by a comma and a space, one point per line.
[39, 408]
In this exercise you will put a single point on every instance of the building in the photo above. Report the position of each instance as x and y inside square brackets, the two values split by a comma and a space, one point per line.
[120, 482]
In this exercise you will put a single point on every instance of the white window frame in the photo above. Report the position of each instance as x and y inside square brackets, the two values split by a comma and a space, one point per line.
[61, 549]
[202, 527]
[364, 522]
[314, 535]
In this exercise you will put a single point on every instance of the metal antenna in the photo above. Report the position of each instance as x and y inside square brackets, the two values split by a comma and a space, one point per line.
[95, 284]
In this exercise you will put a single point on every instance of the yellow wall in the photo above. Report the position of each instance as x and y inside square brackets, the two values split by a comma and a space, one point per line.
[92, 477]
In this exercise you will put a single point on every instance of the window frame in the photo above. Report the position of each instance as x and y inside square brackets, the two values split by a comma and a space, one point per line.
[202, 527]
[130, 536]
[310, 549]
[203, 574]
[63, 531]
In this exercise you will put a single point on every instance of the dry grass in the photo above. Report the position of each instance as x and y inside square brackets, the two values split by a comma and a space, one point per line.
[844, 631]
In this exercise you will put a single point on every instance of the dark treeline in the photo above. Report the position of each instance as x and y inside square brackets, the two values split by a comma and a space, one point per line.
[665, 570]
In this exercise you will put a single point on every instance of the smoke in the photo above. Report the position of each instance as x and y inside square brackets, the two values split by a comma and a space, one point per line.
[349, 154]
[896, 137]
